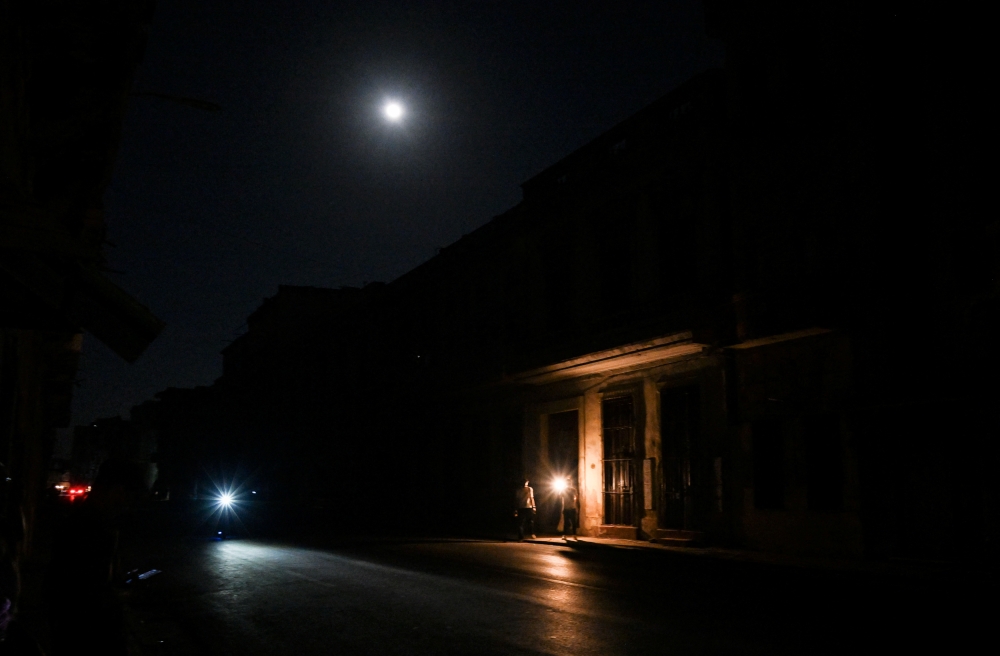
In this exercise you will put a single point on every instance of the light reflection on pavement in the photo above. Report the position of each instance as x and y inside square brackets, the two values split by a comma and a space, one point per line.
[432, 597]
[265, 598]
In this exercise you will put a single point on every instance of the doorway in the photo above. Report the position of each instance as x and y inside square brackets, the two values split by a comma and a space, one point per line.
[618, 423]
[681, 475]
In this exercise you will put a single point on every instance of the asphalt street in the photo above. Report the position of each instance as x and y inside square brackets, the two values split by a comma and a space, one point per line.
[493, 597]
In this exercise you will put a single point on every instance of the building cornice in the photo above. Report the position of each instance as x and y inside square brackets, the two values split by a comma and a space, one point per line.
[637, 355]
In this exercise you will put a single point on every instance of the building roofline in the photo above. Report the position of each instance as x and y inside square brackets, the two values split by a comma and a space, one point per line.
[645, 116]
[600, 144]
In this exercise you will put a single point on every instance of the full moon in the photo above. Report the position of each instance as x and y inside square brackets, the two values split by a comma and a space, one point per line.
[393, 111]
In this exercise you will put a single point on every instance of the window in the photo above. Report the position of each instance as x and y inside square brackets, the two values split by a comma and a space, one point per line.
[618, 420]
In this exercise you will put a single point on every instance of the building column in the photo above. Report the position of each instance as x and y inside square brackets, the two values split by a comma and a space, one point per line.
[591, 468]
[652, 451]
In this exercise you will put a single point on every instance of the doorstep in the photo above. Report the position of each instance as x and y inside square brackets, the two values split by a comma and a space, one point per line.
[615, 531]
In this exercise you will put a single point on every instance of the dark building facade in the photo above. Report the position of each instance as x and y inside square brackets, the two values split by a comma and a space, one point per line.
[66, 69]
[111, 437]
[296, 387]
[854, 204]
[596, 330]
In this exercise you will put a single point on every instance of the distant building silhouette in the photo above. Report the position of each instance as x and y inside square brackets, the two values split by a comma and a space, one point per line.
[107, 438]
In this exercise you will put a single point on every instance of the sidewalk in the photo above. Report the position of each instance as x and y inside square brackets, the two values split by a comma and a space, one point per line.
[920, 569]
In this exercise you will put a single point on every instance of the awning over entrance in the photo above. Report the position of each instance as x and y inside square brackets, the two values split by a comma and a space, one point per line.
[626, 357]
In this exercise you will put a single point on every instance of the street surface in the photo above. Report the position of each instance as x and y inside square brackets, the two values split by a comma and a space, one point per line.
[482, 597]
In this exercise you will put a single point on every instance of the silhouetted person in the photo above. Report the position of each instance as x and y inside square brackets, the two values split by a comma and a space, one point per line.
[85, 614]
[525, 512]
[570, 510]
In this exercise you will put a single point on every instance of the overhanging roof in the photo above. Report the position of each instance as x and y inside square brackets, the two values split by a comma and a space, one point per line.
[777, 339]
[66, 70]
[638, 355]
[78, 296]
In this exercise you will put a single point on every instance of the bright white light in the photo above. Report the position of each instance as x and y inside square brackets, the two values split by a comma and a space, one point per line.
[393, 111]
[226, 500]
[559, 484]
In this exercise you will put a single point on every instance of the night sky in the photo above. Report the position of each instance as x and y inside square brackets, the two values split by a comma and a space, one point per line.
[300, 180]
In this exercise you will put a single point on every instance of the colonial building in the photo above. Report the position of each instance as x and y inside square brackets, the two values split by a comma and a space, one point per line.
[684, 442]
[595, 330]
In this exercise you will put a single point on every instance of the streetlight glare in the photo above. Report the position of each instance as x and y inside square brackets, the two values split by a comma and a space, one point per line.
[393, 111]
[226, 500]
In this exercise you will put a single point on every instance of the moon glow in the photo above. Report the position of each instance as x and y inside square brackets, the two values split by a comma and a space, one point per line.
[393, 111]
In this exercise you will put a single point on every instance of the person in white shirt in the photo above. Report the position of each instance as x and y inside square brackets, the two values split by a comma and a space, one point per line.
[525, 512]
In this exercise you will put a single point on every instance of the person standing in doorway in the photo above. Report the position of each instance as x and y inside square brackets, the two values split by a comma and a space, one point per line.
[525, 512]
[570, 510]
